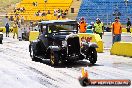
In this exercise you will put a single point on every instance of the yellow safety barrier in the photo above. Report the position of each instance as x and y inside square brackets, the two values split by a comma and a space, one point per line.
[93, 38]
[122, 49]
[33, 35]
[3, 29]
[125, 30]
[88, 37]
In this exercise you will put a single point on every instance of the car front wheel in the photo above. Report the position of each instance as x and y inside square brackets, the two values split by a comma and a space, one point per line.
[92, 55]
[54, 58]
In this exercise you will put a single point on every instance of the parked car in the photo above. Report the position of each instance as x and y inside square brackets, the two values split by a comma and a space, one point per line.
[59, 41]
[1, 37]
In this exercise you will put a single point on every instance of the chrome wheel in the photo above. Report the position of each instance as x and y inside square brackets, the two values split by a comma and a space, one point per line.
[52, 57]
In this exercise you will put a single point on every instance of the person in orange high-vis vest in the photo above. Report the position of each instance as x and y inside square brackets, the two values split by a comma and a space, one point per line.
[116, 30]
[82, 26]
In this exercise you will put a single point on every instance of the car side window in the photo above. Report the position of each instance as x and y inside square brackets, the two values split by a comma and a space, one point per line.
[42, 29]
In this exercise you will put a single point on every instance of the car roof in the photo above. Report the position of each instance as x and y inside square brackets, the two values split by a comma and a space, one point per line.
[58, 22]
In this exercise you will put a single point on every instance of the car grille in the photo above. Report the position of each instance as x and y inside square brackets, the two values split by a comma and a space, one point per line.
[73, 45]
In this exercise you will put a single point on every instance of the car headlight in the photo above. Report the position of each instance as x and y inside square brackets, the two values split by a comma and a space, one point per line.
[64, 43]
[84, 40]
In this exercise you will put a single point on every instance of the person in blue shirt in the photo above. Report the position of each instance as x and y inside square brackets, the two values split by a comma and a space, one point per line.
[7, 29]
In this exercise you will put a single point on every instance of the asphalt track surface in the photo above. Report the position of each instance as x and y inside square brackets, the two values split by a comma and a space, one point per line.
[17, 70]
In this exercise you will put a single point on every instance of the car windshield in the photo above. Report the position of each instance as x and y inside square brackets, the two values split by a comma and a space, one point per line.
[63, 28]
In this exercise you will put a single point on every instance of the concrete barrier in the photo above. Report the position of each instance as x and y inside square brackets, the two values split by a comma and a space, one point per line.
[125, 30]
[122, 49]
[33, 35]
[93, 38]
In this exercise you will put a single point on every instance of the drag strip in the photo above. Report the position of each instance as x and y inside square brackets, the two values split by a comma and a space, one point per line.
[18, 70]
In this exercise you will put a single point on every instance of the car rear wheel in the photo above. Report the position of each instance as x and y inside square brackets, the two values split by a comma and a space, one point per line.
[93, 55]
[54, 58]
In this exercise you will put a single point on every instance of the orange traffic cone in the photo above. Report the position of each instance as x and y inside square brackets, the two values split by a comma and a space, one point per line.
[84, 73]
[84, 80]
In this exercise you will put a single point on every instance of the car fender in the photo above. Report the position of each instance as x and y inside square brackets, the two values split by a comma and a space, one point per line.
[54, 48]
[32, 45]
[93, 45]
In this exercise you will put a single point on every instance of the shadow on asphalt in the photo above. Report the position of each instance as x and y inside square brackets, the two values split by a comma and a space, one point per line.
[71, 65]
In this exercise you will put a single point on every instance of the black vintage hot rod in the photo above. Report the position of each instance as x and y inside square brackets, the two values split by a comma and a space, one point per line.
[59, 41]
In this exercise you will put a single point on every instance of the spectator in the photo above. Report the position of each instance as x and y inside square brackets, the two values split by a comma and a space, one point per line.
[28, 31]
[82, 25]
[11, 18]
[99, 27]
[18, 9]
[6, 16]
[128, 25]
[48, 12]
[15, 10]
[43, 13]
[19, 24]
[116, 30]
[55, 12]
[66, 11]
[17, 19]
[20, 34]
[7, 29]
[92, 23]
[22, 20]
[38, 13]
[58, 10]
[63, 16]
[59, 14]
[61, 11]
[22, 9]
[15, 29]
[35, 4]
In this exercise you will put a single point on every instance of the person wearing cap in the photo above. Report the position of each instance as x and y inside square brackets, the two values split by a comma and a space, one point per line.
[99, 27]
[82, 26]
[116, 30]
